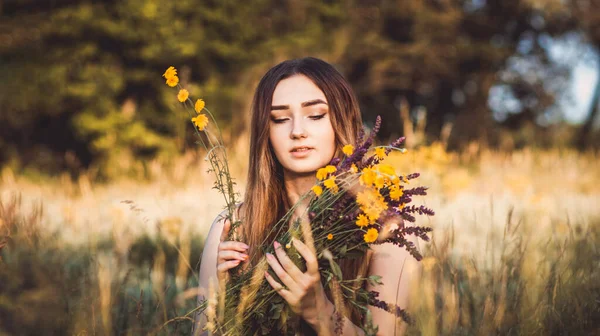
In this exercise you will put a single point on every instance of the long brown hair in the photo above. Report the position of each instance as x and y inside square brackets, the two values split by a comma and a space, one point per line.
[265, 200]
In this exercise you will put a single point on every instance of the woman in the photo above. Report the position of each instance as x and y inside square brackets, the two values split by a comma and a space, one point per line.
[303, 113]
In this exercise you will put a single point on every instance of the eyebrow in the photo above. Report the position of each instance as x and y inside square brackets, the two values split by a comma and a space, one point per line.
[305, 104]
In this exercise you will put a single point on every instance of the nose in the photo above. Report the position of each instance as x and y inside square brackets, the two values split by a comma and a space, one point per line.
[298, 130]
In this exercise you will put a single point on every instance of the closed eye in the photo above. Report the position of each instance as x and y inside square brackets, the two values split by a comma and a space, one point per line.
[317, 117]
[279, 120]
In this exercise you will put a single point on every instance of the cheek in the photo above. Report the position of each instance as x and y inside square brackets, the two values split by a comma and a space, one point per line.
[276, 141]
[328, 137]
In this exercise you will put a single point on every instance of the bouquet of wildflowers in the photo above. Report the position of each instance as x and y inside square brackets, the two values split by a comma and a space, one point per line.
[358, 201]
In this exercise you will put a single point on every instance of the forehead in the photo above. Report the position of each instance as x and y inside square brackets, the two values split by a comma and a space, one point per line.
[296, 90]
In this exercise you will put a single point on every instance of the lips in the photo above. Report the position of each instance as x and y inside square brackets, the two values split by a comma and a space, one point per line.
[301, 149]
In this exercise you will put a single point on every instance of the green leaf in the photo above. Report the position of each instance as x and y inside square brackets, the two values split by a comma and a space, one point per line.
[370, 328]
[335, 268]
[276, 311]
[375, 280]
[343, 250]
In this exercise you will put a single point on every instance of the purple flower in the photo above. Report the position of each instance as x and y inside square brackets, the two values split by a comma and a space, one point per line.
[391, 308]
[422, 210]
[416, 191]
[413, 176]
[398, 238]
[334, 161]
[359, 153]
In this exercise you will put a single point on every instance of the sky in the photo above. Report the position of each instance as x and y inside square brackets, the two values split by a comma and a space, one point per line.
[572, 49]
[585, 77]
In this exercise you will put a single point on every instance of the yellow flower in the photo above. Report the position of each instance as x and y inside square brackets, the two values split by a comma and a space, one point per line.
[331, 185]
[183, 95]
[317, 190]
[170, 73]
[380, 152]
[353, 169]
[330, 169]
[200, 121]
[366, 197]
[386, 169]
[396, 192]
[329, 236]
[379, 181]
[371, 235]
[362, 220]
[321, 174]
[172, 81]
[348, 150]
[288, 245]
[368, 176]
[371, 203]
[199, 105]
[373, 213]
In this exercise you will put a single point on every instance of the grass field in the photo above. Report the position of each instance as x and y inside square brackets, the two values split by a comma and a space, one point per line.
[515, 249]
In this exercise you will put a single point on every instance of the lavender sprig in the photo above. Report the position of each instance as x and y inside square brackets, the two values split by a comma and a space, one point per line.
[413, 176]
[397, 237]
[395, 144]
[391, 308]
[408, 217]
[359, 153]
[422, 210]
[416, 191]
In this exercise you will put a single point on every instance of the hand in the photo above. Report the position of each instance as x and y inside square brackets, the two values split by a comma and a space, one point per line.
[303, 291]
[230, 253]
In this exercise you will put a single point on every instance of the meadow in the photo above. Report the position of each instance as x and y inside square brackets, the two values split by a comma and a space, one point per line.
[515, 248]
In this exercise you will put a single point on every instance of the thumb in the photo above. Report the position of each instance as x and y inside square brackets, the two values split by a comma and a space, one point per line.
[226, 227]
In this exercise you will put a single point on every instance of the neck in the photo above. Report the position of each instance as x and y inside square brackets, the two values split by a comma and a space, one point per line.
[297, 185]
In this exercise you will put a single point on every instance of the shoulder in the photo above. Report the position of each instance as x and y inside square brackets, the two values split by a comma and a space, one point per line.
[396, 281]
[384, 255]
[217, 225]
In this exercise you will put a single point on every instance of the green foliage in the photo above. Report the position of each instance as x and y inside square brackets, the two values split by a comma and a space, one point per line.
[97, 66]
[49, 286]
[86, 79]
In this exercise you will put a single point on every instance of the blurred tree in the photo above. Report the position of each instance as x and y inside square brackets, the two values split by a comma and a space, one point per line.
[447, 56]
[87, 80]
[578, 19]
[585, 17]
[80, 81]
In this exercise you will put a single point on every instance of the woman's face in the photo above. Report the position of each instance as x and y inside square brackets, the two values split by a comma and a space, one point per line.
[300, 128]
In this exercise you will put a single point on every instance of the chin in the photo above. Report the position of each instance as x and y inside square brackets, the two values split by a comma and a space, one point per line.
[304, 168]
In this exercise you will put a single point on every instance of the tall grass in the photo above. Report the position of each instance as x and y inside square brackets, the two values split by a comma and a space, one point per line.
[49, 286]
[515, 247]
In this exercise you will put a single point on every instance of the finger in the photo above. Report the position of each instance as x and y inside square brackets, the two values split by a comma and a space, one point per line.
[233, 245]
[224, 267]
[226, 227]
[231, 255]
[281, 273]
[286, 294]
[287, 263]
[312, 266]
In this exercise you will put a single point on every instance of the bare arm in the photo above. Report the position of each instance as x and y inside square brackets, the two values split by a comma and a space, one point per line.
[208, 270]
[397, 269]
